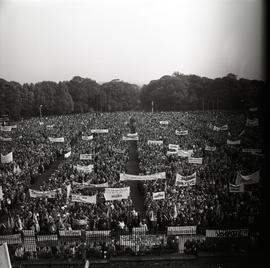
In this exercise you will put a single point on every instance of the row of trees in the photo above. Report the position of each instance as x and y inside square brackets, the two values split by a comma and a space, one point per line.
[191, 92]
[175, 92]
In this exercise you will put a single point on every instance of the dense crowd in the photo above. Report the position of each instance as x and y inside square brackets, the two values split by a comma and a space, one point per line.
[208, 203]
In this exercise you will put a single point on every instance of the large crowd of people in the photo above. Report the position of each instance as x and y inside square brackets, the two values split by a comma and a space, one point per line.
[208, 203]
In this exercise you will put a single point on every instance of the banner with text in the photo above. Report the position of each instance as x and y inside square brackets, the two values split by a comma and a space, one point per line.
[236, 188]
[153, 142]
[129, 177]
[84, 198]
[159, 195]
[85, 156]
[5, 139]
[181, 132]
[99, 131]
[41, 194]
[210, 148]
[174, 147]
[185, 153]
[181, 230]
[61, 139]
[185, 181]
[84, 169]
[194, 160]
[230, 233]
[87, 138]
[236, 142]
[116, 193]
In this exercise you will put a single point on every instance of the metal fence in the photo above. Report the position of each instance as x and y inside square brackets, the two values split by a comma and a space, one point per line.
[137, 242]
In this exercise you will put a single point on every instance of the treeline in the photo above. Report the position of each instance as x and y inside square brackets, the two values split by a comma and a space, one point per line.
[78, 95]
[176, 92]
[191, 92]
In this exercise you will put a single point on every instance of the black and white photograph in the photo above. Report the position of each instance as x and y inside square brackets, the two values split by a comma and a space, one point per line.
[132, 133]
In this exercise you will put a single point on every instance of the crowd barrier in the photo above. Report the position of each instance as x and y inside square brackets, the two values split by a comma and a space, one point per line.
[138, 241]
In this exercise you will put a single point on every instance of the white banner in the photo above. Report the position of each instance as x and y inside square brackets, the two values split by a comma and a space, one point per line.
[56, 139]
[159, 195]
[222, 128]
[84, 169]
[181, 132]
[129, 177]
[163, 122]
[210, 148]
[5, 128]
[8, 158]
[88, 184]
[87, 138]
[229, 233]
[116, 193]
[181, 230]
[100, 131]
[130, 138]
[132, 135]
[236, 142]
[66, 155]
[185, 181]
[194, 160]
[185, 153]
[174, 147]
[40, 194]
[154, 142]
[5, 139]
[236, 188]
[85, 156]
[84, 198]
[252, 122]
[70, 232]
[172, 152]
[253, 109]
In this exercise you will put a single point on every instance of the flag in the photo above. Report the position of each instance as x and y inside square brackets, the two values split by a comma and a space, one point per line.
[4, 256]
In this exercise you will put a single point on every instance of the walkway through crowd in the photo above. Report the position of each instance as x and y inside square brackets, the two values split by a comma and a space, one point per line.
[133, 168]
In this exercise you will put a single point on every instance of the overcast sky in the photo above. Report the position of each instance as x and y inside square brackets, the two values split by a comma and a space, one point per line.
[133, 40]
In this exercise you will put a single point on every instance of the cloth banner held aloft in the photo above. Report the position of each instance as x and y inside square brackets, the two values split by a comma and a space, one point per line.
[149, 142]
[130, 177]
[185, 181]
[85, 156]
[87, 138]
[99, 131]
[174, 147]
[185, 153]
[61, 139]
[181, 132]
[236, 188]
[84, 198]
[194, 160]
[116, 193]
[159, 195]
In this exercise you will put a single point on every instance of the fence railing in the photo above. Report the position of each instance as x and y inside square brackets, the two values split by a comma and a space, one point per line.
[184, 239]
